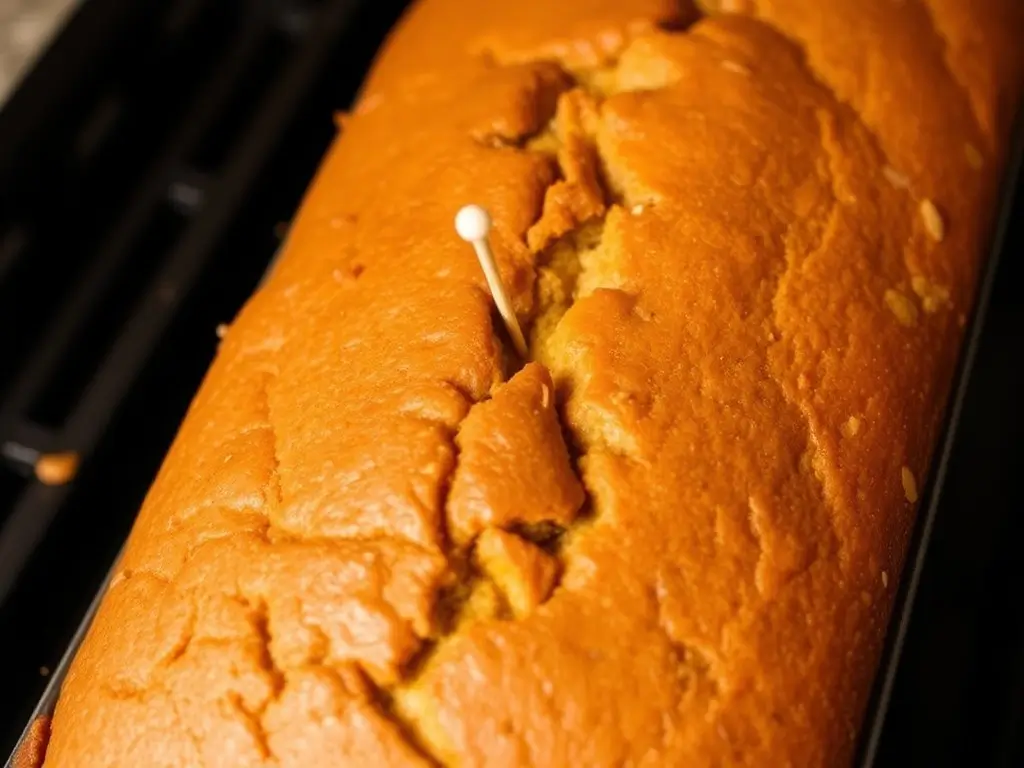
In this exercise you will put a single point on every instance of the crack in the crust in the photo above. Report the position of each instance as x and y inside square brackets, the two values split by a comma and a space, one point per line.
[260, 619]
[447, 607]
[275, 493]
[253, 717]
[253, 721]
[875, 141]
[550, 82]
[692, 665]
[792, 264]
[872, 135]
[261, 625]
[454, 602]
[382, 701]
[319, 644]
[444, 537]
[551, 309]
[184, 728]
[184, 643]
[687, 656]
[818, 79]
[547, 534]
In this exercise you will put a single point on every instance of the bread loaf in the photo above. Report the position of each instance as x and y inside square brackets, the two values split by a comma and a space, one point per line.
[743, 240]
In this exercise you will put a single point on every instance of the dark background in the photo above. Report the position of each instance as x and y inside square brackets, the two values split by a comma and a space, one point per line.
[144, 167]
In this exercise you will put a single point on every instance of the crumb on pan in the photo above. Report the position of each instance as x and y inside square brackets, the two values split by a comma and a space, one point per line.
[57, 468]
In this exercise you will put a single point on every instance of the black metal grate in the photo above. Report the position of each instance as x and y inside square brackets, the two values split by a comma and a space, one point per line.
[143, 166]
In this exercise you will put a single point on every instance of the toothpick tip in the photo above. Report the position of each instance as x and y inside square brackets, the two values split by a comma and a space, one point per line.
[472, 223]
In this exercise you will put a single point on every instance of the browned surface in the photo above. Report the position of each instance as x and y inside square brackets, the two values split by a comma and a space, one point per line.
[750, 318]
[33, 747]
[513, 467]
[523, 572]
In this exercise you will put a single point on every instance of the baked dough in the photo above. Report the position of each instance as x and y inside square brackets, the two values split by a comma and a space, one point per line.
[744, 248]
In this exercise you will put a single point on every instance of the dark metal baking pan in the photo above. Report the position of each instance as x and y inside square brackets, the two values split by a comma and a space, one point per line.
[193, 127]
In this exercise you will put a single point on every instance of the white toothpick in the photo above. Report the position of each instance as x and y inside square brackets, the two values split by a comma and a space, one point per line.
[473, 224]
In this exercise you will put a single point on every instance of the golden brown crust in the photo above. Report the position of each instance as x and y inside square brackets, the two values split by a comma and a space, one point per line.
[513, 468]
[744, 251]
[32, 749]
[523, 572]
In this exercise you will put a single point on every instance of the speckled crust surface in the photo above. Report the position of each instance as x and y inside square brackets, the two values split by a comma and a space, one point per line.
[32, 748]
[744, 247]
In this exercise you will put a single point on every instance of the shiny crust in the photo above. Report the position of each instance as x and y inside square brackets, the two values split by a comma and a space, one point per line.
[745, 249]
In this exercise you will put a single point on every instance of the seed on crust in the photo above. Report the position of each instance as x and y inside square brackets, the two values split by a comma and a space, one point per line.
[894, 177]
[901, 306]
[974, 156]
[933, 223]
[909, 484]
